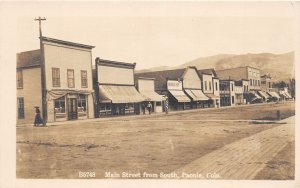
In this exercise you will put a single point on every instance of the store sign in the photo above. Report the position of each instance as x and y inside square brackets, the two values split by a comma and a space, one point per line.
[174, 84]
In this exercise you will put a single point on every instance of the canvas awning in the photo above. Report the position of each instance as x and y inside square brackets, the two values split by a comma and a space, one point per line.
[196, 94]
[58, 93]
[180, 95]
[263, 94]
[152, 96]
[212, 96]
[287, 95]
[255, 94]
[274, 94]
[119, 94]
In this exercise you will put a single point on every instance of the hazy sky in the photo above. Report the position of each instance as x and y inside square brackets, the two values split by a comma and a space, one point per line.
[155, 34]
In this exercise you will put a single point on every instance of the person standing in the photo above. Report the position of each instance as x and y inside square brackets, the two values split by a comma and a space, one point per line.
[38, 120]
[143, 108]
[149, 106]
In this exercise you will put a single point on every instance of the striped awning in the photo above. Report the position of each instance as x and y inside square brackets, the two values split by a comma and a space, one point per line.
[196, 94]
[119, 94]
[180, 95]
[274, 94]
[152, 96]
[263, 94]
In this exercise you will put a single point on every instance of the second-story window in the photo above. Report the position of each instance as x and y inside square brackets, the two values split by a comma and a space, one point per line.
[210, 86]
[19, 79]
[231, 87]
[84, 78]
[205, 85]
[55, 77]
[216, 86]
[70, 75]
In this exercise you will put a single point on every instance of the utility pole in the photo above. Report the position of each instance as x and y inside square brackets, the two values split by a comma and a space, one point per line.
[43, 78]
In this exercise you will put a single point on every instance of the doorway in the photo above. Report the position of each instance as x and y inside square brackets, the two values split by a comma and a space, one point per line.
[72, 109]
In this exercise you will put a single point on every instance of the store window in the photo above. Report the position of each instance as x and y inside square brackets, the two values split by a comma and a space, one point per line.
[81, 105]
[70, 76]
[21, 112]
[60, 106]
[19, 79]
[55, 77]
[84, 78]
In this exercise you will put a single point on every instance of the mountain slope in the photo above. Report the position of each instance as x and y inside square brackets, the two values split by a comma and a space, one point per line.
[280, 66]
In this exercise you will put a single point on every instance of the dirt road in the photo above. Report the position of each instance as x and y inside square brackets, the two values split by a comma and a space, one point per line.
[152, 145]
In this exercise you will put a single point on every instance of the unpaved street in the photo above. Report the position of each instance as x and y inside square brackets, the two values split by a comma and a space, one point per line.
[156, 144]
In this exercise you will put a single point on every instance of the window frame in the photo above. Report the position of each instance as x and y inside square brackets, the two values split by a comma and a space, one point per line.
[20, 79]
[55, 80]
[86, 78]
[205, 85]
[68, 78]
[23, 105]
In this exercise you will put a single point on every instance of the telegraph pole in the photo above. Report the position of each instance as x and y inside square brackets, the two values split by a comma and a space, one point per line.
[43, 78]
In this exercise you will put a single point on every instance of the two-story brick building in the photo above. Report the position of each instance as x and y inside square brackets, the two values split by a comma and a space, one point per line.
[68, 81]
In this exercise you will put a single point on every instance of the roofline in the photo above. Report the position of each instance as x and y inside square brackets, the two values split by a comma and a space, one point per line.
[238, 67]
[162, 70]
[28, 67]
[110, 63]
[58, 41]
[145, 78]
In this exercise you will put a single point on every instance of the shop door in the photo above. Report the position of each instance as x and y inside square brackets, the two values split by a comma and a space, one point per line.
[72, 108]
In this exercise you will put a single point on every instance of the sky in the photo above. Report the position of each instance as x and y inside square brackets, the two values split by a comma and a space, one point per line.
[155, 33]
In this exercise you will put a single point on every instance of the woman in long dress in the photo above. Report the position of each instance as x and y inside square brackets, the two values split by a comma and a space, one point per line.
[38, 120]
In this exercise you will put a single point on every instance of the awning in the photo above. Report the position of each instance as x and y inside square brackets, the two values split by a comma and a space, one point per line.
[152, 96]
[58, 93]
[212, 96]
[264, 94]
[287, 95]
[255, 94]
[274, 94]
[119, 94]
[180, 95]
[196, 94]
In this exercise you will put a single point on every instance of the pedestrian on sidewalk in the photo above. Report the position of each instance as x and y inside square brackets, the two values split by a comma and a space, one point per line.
[38, 120]
[149, 106]
[143, 108]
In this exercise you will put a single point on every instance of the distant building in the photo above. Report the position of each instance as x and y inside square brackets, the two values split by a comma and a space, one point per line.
[68, 81]
[115, 89]
[227, 93]
[243, 73]
[252, 75]
[210, 86]
[146, 87]
[183, 87]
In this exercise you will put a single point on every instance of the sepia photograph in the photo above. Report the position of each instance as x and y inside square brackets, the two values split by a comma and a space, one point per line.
[138, 90]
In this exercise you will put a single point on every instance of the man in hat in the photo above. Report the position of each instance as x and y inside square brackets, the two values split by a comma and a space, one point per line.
[38, 120]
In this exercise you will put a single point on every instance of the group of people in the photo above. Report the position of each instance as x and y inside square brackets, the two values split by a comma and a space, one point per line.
[148, 106]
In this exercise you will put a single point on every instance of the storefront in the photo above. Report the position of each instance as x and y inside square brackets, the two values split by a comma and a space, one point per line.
[69, 104]
[252, 97]
[264, 95]
[116, 93]
[146, 89]
[178, 100]
[198, 98]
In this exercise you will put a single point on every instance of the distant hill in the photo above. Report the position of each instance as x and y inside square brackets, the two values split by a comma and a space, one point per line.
[280, 66]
